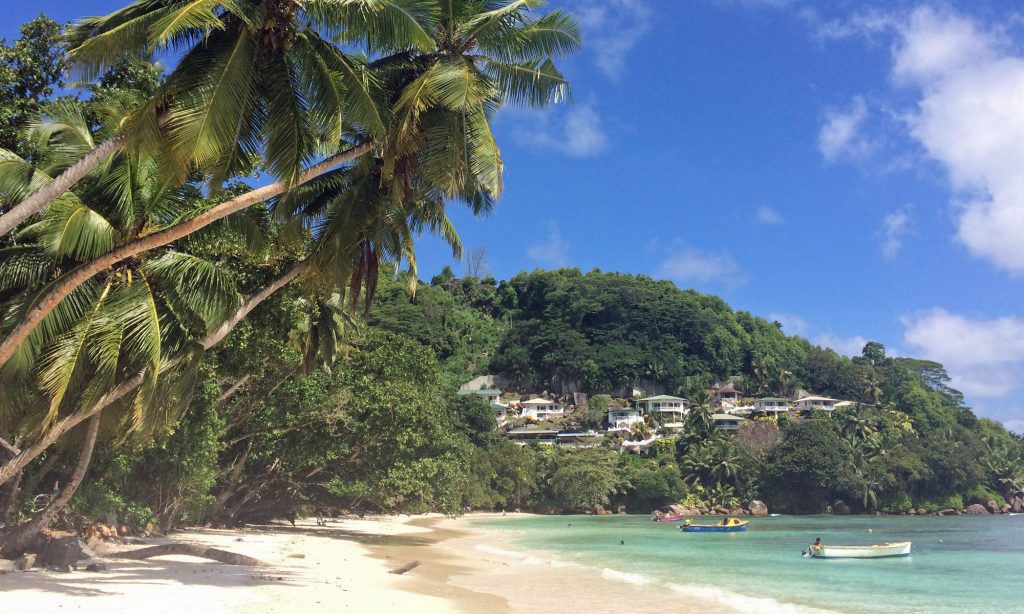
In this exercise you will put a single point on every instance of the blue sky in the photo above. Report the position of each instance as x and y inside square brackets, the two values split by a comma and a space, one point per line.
[855, 171]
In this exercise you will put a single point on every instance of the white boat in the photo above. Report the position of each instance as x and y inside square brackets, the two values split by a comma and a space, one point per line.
[875, 551]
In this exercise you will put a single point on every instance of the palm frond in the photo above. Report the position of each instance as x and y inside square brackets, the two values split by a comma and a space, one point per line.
[533, 83]
[213, 88]
[71, 229]
[381, 25]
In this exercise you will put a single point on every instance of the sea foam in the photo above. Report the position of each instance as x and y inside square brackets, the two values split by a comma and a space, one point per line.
[743, 603]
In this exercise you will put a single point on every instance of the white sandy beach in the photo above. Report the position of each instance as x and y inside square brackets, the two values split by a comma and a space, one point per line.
[343, 570]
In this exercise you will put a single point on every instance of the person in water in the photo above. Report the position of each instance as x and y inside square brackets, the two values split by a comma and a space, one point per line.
[817, 544]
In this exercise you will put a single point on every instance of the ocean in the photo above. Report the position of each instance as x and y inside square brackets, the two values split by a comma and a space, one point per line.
[958, 564]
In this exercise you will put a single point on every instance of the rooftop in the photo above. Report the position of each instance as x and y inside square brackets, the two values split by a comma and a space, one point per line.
[772, 399]
[728, 417]
[823, 399]
[663, 397]
[539, 401]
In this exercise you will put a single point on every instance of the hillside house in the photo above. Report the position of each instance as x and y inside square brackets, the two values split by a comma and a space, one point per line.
[541, 409]
[672, 410]
[813, 402]
[771, 406]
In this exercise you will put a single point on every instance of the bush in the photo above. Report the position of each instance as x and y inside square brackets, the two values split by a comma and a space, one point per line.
[955, 502]
[982, 494]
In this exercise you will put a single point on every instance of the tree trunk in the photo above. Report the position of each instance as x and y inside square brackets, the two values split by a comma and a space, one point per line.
[30, 452]
[230, 392]
[202, 552]
[9, 499]
[49, 192]
[15, 541]
[83, 273]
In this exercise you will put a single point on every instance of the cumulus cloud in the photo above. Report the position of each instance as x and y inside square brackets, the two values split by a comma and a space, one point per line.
[894, 228]
[611, 29]
[551, 250]
[577, 132]
[689, 265]
[767, 215]
[791, 324]
[841, 135]
[970, 118]
[984, 357]
[847, 346]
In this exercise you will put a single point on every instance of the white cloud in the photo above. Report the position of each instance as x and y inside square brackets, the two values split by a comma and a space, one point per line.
[848, 346]
[984, 358]
[611, 28]
[1015, 424]
[791, 324]
[552, 250]
[689, 265]
[867, 23]
[970, 118]
[841, 134]
[577, 132]
[894, 228]
[767, 215]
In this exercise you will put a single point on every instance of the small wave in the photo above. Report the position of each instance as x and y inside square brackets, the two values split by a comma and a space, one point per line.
[736, 601]
[509, 554]
[624, 576]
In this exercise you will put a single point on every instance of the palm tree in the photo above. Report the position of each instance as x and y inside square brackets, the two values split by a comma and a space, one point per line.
[861, 422]
[134, 316]
[255, 79]
[727, 465]
[479, 59]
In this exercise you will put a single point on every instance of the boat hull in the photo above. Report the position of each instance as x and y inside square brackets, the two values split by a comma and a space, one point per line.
[877, 551]
[712, 528]
[673, 518]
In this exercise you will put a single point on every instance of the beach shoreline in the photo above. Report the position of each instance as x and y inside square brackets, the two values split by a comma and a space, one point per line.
[345, 566]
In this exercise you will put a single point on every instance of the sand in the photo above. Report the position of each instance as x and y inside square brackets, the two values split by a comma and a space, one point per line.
[345, 568]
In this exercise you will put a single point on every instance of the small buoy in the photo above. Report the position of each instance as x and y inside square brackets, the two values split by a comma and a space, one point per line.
[940, 541]
[869, 530]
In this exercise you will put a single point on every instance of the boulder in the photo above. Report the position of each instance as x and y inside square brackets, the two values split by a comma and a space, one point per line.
[722, 511]
[992, 506]
[1017, 505]
[921, 511]
[1004, 508]
[910, 513]
[675, 509]
[64, 551]
[7, 566]
[96, 567]
[620, 509]
[26, 562]
[841, 508]
[975, 509]
[946, 512]
[758, 508]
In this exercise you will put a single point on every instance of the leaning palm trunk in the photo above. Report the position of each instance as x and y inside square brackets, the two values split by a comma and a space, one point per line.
[30, 452]
[80, 275]
[13, 542]
[49, 192]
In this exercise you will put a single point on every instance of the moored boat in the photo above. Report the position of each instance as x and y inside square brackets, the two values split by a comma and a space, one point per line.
[672, 518]
[726, 525]
[876, 551]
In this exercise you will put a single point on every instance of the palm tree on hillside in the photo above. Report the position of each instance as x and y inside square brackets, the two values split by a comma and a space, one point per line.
[437, 124]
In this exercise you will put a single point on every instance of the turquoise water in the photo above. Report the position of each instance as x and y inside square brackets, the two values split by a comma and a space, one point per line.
[959, 563]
